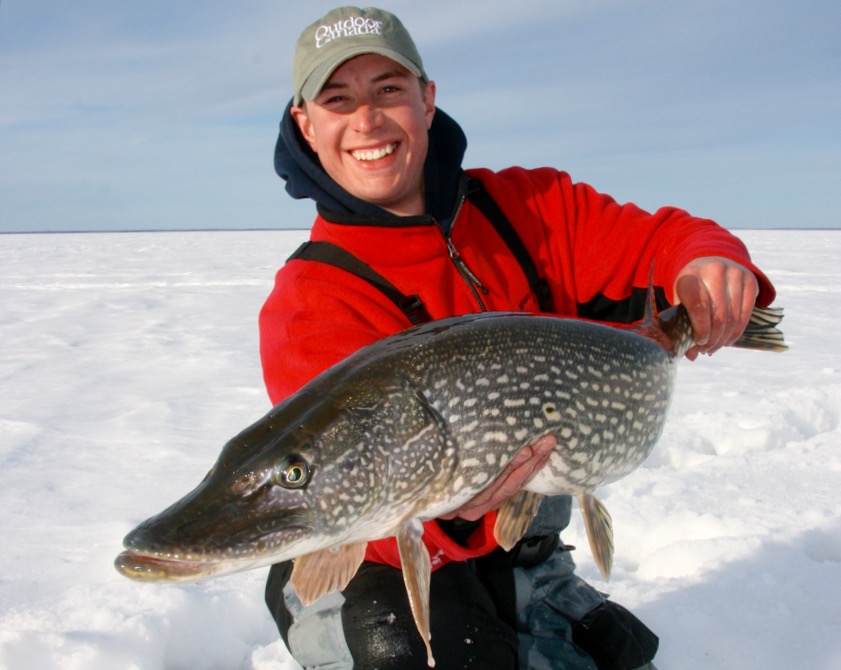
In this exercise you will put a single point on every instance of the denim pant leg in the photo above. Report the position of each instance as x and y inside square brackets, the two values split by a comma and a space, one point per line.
[548, 591]
[548, 596]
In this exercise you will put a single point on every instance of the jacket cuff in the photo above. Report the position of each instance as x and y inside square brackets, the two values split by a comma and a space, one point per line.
[442, 548]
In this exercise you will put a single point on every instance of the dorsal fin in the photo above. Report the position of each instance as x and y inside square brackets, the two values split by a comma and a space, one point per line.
[659, 327]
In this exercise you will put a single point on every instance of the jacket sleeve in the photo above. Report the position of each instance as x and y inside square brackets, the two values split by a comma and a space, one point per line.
[316, 316]
[621, 247]
[599, 255]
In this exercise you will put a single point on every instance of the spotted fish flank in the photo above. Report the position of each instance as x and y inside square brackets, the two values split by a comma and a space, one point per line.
[412, 427]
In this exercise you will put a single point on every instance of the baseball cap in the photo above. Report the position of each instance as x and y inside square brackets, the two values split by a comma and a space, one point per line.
[343, 33]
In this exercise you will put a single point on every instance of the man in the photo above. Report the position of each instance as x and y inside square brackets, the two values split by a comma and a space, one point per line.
[363, 138]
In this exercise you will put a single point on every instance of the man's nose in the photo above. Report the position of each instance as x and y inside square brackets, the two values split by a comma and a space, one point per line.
[366, 118]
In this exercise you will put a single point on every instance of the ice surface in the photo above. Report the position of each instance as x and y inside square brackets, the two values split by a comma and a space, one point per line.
[128, 359]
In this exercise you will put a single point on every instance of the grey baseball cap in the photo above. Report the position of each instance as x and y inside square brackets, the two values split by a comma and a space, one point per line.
[343, 33]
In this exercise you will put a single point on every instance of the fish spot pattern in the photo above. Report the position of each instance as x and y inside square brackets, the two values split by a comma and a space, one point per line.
[606, 406]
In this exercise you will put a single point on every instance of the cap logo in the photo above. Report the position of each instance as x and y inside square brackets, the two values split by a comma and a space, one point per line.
[358, 25]
[347, 32]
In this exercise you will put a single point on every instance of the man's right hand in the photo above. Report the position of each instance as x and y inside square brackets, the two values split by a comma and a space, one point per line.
[525, 464]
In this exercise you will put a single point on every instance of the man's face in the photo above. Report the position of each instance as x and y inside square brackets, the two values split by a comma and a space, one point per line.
[369, 127]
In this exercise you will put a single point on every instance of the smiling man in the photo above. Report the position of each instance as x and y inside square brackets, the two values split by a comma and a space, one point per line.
[404, 234]
[369, 127]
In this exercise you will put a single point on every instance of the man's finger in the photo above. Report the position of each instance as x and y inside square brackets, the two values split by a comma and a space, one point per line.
[692, 294]
[525, 464]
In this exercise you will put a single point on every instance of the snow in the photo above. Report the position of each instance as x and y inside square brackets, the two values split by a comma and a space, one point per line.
[129, 359]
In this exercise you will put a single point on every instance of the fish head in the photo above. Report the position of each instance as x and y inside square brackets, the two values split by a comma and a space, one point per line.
[274, 492]
[320, 470]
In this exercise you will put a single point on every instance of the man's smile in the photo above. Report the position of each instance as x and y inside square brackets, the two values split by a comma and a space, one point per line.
[373, 154]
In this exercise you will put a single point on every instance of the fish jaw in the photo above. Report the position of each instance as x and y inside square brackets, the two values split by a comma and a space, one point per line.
[153, 568]
[191, 542]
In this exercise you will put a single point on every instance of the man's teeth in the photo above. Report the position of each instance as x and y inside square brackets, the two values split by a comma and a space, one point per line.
[373, 154]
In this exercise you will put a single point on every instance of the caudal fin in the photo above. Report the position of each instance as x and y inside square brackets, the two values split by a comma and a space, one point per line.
[762, 332]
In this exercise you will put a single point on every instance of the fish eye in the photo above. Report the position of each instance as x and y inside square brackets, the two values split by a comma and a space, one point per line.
[293, 473]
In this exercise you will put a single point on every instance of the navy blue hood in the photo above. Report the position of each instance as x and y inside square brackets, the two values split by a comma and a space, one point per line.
[301, 169]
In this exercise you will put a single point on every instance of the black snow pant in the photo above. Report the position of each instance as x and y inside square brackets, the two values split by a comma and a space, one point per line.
[518, 610]
[379, 631]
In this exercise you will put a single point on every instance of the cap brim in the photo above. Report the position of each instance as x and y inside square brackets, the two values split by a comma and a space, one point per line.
[316, 81]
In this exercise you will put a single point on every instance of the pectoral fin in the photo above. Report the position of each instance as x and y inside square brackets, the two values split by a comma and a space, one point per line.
[325, 571]
[417, 568]
[514, 517]
[599, 528]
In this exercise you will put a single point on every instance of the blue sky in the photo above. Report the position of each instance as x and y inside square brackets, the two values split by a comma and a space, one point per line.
[163, 114]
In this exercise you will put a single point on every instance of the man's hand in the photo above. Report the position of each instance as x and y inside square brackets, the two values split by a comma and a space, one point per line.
[520, 470]
[719, 295]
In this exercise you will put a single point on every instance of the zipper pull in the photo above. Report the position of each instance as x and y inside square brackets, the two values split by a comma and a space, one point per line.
[462, 267]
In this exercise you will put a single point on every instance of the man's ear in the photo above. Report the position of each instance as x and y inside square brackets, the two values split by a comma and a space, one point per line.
[429, 102]
[302, 119]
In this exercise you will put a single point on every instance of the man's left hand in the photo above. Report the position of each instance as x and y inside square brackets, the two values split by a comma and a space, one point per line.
[719, 295]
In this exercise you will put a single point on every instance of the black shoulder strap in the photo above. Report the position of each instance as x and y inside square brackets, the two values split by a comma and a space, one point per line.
[411, 305]
[479, 196]
[332, 254]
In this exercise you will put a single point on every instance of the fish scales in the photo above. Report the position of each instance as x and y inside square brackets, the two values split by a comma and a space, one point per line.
[413, 426]
[604, 395]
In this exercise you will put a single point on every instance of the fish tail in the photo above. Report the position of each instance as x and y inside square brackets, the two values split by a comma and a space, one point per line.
[762, 332]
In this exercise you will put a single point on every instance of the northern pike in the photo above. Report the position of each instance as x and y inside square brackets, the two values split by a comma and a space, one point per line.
[413, 426]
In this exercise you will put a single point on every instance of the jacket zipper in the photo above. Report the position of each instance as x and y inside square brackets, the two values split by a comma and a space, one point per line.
[472, 281]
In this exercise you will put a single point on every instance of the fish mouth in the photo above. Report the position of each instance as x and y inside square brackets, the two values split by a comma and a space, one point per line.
[146, 567]
[154, 568]
[151, 557]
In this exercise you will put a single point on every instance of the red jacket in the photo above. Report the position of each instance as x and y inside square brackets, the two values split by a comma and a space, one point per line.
[585, 244]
